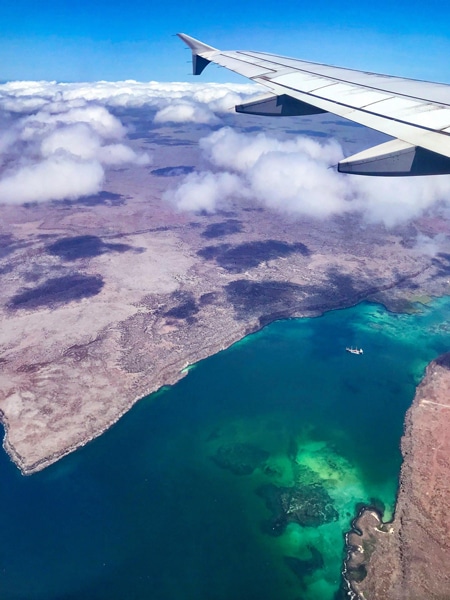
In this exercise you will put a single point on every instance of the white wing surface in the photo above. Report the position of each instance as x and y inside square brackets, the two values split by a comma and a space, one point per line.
[415, 113]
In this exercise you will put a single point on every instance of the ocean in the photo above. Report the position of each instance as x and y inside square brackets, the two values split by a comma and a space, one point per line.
[240, 481]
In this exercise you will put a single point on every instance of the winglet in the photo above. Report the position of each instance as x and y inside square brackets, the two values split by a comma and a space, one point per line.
[199, 50]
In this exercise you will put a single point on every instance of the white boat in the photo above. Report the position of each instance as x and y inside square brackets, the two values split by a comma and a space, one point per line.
[355, 350]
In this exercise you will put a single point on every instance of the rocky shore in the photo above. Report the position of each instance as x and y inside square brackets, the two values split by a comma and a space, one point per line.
[409, 558]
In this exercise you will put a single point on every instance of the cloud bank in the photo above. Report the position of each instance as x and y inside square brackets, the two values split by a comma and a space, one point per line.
[298, 176]
[56, 139]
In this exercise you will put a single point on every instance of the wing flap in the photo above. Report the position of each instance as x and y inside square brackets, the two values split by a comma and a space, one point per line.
[394, 159]
[277, 106]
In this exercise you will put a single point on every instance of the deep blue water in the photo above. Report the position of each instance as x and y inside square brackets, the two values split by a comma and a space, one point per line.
[144, 512]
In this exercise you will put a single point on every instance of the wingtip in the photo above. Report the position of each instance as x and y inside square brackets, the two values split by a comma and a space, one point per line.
[195, 45]
[200, 52]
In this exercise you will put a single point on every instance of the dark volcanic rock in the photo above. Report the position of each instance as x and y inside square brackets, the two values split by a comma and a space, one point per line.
[240, 459]
[185, 309]
[6, 244]
[83, 246]
[237, 259]
[309, 506]
[173, 171]
[208, 298]
[58, 290]
[263, 297]
[443, 360]
[102, 198]
[221, 229]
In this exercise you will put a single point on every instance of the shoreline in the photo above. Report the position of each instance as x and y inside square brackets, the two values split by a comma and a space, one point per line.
[168, 377]
[402, 561]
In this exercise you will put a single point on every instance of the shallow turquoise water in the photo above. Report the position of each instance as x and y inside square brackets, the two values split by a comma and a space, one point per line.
[144, 512]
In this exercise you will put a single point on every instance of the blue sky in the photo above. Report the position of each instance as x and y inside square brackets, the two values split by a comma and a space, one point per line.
[87, 40]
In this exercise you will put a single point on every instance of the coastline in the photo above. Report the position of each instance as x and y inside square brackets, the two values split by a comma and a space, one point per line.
[203, 415]
[170, 376]
[403, 563]
[171, 373]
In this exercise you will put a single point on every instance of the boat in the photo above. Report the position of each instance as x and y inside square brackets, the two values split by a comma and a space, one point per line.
[355, 350]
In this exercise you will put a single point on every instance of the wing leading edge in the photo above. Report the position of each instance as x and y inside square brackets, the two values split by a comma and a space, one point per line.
[415, 113]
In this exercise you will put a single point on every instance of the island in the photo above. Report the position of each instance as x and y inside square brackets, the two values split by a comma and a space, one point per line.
[408, 558]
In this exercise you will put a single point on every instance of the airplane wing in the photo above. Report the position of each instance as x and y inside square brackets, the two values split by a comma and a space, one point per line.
[415, 113]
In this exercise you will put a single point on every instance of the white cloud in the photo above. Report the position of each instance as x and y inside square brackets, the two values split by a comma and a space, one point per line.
[59, 148]
[29, 96]
[49, 123]
[185, 112]
[96, 117]
[430, 246]
[298, 176]
[297, 183]
[54, 178]
[60, 136]
[394, 200]
[119, 154]
[79, 140]
[291, 176]
[229, 149]
[205, 191]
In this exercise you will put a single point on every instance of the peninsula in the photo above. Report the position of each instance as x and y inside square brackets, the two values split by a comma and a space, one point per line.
[408, 559]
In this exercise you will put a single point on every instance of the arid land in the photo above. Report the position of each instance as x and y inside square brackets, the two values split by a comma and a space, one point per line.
[408, 559]
[108, 298]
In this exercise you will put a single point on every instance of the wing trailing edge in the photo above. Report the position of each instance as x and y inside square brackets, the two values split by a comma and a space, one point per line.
[415, 113]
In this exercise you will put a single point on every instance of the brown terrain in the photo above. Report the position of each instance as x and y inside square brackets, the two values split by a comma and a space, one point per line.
[409, 558]
[107, 298]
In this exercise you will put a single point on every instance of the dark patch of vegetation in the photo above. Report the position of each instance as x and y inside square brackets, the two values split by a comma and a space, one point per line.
[6, 269]
[6, 244]
[183, 311]
[263, 298]
[252, 128]
[215, 230]
[236, 259]
[186, 307]
[57, 291]
[173, 171]
[153, 137]
[105, 198]
[208, 298]
[83, 246]
[212, 252]
[443, 360]
[309, 133]
[442, 262]
[343, 283]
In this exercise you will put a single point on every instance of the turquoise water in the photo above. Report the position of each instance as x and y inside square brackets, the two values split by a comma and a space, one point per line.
[172, 502]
